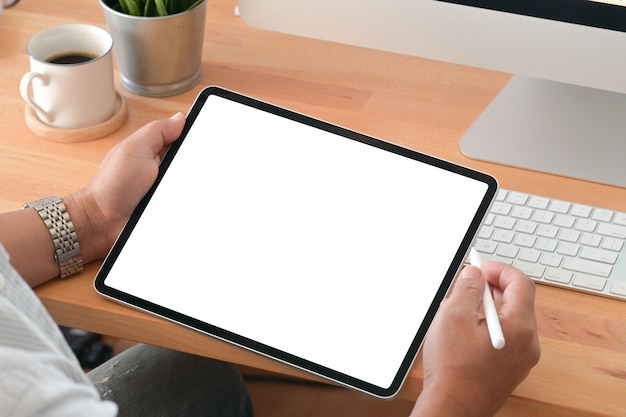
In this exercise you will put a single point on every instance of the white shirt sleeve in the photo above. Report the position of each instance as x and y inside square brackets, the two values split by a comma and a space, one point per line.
[40, 376]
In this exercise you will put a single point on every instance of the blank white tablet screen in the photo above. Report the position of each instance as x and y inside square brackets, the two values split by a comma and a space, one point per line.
[311, 243]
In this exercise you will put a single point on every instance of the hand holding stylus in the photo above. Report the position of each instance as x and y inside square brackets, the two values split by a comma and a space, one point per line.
[491, 315]
[457, 359]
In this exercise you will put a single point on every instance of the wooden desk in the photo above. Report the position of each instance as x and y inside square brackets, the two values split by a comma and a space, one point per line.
[417, 103]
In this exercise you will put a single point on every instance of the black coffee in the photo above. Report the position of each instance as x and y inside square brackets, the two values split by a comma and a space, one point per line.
[70, 58]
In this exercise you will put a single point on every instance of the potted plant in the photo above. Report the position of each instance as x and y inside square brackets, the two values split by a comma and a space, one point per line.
[157, 43]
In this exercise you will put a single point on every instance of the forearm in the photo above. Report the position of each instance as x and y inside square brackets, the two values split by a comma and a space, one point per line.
[26, 238]
[29, 243]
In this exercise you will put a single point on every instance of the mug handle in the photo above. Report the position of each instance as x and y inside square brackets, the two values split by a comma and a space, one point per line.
[27, 80]
[9, 3]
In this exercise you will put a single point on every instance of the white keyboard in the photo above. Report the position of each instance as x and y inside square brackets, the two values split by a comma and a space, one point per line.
[557, 242]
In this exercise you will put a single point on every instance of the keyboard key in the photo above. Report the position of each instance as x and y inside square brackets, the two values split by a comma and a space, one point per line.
[602, 215]
[524, 226]
[548, 231]
[589, 239]
[501, 208]
[589, 282]
[613, 244]
[600, 255]
[503, 236]
[568, 249]
[551, 259]
[521, 212]
[533, 270]
[558, 206]
[559, 275]
[507, 251]
[620, 218]
[485, 246]
[542, 216]
[538, 202]
[569, 235]
[563, 220]
[586, 225]
[504, 222]
[619, 288]
[546, 245]
[529, 255]
[517, 198]
[587, 267]
[581, 211]
[524, 240]
[612, 230]
[485, 232]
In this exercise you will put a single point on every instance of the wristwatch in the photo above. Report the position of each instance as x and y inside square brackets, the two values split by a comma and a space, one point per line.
[66, 248]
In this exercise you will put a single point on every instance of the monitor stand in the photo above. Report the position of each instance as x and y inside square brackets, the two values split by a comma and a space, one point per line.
[556, 128]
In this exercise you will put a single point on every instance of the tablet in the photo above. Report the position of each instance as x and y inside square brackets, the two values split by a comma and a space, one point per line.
[315, 245]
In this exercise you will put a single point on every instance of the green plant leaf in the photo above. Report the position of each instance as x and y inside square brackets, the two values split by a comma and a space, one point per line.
[194, 4]
[171, 6]
[135, 7]
[131, 7]
[149, 9]
[160, 8]
[152, 8]
[124, 6]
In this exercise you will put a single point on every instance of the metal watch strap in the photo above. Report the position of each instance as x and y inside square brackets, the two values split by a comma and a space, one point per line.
[56, 218]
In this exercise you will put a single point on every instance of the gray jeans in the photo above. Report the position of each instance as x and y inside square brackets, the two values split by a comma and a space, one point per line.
[150, 381]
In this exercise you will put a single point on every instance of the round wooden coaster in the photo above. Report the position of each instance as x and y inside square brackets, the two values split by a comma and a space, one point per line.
[84, 134]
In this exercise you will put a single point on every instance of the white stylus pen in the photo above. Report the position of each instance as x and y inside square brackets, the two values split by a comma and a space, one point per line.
[491, 315]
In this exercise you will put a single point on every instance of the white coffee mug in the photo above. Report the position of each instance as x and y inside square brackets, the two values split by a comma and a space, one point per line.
[71, 76]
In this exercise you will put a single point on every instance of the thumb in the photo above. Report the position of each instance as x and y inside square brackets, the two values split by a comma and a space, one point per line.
[468, 289]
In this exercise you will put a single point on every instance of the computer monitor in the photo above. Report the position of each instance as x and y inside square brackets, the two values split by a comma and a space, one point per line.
[564, 111]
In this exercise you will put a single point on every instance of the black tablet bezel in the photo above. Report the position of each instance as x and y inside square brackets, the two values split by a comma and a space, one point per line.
[223, 334]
